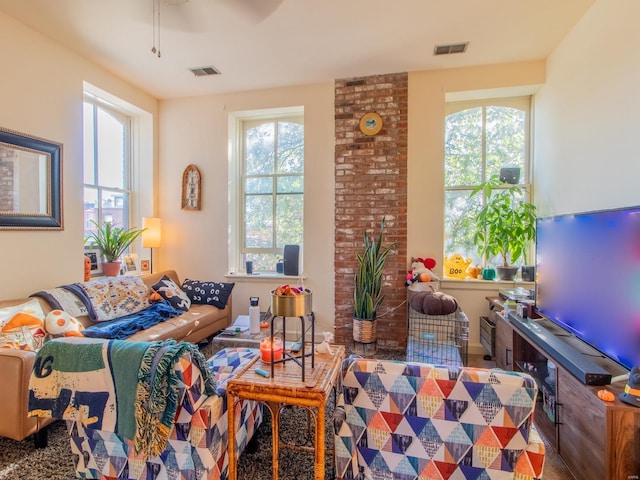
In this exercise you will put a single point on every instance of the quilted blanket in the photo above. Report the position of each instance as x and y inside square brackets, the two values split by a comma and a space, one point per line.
[96, 382]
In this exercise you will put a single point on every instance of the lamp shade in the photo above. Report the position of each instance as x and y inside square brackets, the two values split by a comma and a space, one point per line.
[151, 236]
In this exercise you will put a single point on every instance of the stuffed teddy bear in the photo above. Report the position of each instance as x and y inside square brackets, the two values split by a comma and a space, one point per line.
[59, 323]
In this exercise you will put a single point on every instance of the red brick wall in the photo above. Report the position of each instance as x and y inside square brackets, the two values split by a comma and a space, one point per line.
[371, 183]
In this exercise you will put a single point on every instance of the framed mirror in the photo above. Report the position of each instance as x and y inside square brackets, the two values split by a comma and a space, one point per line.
[30, 182]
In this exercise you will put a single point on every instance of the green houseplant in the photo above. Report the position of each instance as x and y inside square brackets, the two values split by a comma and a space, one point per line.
[505, 225]
[367, 294]
[111, 241]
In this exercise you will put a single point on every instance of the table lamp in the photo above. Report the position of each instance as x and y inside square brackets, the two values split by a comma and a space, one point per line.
[151, 235]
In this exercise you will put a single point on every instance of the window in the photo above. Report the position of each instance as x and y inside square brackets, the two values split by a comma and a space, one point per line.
[271, 188]
[481, 137]
[107, 165]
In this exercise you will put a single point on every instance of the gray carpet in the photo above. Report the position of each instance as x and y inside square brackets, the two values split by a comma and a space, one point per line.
[22, 461]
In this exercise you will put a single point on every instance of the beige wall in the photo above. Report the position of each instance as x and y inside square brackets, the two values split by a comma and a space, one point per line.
[587, 115]
[195, 130]
[41, 88]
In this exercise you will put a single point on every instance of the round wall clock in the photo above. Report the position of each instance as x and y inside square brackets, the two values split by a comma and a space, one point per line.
[370, 123]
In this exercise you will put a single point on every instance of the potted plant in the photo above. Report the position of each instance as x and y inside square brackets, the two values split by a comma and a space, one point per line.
[112, 241]
[505, 225]
[367, 294]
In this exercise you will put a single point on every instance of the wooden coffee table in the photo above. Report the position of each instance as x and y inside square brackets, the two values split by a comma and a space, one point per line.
[286, 388]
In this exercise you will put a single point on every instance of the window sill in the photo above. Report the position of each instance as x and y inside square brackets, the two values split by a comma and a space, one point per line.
[478, 284]
[264, 276]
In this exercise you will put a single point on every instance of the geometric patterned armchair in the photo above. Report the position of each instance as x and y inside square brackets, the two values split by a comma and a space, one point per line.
[197, 445]
[400, 420]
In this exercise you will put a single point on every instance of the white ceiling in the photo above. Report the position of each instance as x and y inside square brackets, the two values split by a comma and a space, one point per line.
[269, 43]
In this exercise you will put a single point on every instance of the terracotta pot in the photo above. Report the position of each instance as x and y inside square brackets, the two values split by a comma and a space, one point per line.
[111, 269]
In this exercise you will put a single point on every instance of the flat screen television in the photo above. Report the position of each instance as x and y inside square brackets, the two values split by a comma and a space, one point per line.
[588, 278]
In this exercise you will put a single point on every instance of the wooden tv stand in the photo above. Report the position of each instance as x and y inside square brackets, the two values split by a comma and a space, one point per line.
[596, 439]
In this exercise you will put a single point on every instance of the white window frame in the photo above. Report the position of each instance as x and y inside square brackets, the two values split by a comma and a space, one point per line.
[523, 103]
[140, 152]
[126, 191]
[237, 124]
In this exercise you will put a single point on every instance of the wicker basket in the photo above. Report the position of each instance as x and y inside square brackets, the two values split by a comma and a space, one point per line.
[365, 331]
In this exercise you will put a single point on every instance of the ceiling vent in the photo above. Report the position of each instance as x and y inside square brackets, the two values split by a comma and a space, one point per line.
[451, 48]
[204, 71]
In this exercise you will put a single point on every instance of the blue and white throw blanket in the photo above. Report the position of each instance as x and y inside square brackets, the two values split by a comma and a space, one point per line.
[96, 382]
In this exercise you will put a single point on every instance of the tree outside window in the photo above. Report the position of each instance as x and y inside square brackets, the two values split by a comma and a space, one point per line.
[481, 137]
[272, 189]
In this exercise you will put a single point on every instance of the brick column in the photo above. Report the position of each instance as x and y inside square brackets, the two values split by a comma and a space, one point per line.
[371, 183]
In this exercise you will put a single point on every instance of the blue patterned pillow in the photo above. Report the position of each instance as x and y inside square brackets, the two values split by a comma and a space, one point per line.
[208, 293]
[172, 293]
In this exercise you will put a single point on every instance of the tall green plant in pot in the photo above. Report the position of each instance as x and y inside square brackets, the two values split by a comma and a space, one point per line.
[367, 295]
[112, 241]
[505, 225]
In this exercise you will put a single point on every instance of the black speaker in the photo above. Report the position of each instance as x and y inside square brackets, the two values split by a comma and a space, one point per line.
[510, 175]
[291, 259]
[528, 274]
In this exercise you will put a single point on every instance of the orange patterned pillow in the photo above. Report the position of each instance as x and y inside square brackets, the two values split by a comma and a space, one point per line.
[21, 326]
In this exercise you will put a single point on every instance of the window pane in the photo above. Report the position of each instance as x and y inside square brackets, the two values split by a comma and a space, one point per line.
[463, 148]
[90, 210]
[259, 146]
[263, 262]
[505, 139]
[459, 224]
[290, 184]
[115, 206]
[258, 221]
[289, 224]
[111, 150]
[290, 147]
[88, 158]
[273, 188]
[259, 185]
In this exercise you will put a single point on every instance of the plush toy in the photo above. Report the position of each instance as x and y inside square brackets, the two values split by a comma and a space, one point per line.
[455, 266]
[325, 345]
[434, 303]
[58, 323]
[421, 271]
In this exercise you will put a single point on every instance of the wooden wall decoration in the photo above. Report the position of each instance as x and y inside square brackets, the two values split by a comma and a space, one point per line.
[191, 188]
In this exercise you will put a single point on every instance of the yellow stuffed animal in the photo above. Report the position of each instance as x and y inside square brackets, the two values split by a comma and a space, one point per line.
[455, 266]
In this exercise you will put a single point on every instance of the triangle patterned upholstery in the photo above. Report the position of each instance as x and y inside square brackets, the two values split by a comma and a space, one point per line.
[401, 420]
[197, 446]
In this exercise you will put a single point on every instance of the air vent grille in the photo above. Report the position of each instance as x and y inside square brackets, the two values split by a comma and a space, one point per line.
[205, 71]
[451, 48]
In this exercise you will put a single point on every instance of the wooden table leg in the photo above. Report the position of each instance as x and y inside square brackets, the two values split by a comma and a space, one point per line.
[274, 407]
[231, 436]
[319, 458]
